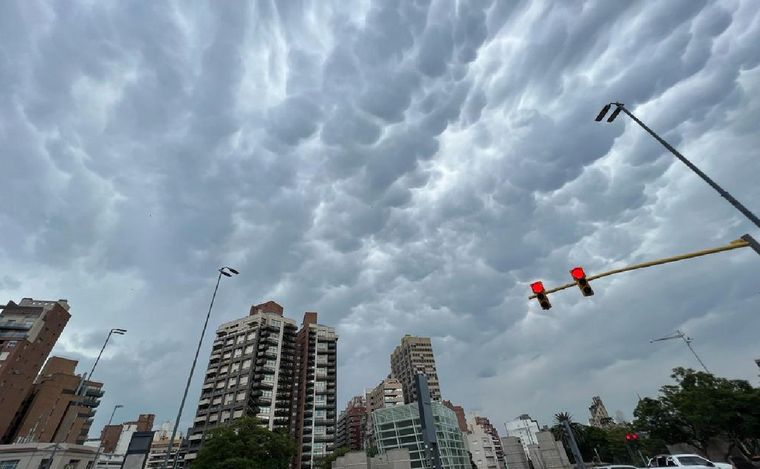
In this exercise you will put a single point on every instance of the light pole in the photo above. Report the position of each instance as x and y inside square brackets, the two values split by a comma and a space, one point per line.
[80, 387]
[227, 272]
[116, 331]
[621, 107]
[100, 444]
[687, 340]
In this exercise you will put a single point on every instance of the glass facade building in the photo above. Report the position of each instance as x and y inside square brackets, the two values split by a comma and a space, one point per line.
[399, 427]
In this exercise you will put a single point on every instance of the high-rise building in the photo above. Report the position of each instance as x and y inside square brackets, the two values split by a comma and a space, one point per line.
[459, 411]
[415, 356]
[490, 430]
[388, 393]
[599, 416]
[28, 332]
[250, 374]
[524, 428]
[315, 404]
[262, 366]
[482, 448]
[52, 412]
[351, 422]
[399, 427]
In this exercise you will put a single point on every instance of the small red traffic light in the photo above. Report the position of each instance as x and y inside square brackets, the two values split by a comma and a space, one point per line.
[577, 273]
[537, 287]
[631, 436]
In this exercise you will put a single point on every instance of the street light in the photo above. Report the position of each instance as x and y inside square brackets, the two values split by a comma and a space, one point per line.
[227, 272]
[621, 107]
[100, 444]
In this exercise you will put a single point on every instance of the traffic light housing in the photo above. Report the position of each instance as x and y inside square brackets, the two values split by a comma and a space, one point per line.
[579, 275]
[632, 439]
[540, 292]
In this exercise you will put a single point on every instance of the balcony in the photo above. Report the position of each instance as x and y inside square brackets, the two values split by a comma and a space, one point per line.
[14, 326]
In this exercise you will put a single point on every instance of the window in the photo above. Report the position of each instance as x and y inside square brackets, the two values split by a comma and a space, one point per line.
[238, 352]
[11, 343]
[235, 367]
[266, 393]
[243, 380]
[4, 355]
[44, 464]
[249, 349]
[319, 430]
[320, 399]
[246, 364]
[264, 410]
[221, 384]
[268, 378]
[240, 396]
[321, 346]
[322, 359]
[318, 449]
[237, 414]
[320, 414]
[228, 398]
[240, 339]
[271, 363]
[9, 464]
[72, 464]
[694, 461]
[320, 385]
[276, 322]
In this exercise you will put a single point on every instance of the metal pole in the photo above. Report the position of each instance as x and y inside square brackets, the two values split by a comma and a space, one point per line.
[745, 211]
[190, 377]
[687, 341]
[92, 370]
[573, 445]
[736, 244]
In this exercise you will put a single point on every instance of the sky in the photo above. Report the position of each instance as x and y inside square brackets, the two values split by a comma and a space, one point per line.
[398, 166]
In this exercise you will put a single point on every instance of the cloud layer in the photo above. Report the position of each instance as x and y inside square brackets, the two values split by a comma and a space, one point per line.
[398, 166]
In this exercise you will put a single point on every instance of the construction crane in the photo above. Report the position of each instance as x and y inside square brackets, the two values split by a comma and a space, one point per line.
[678, 334]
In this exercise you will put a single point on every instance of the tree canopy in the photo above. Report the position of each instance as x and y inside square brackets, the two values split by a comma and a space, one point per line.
[700, 407]
[245, 444]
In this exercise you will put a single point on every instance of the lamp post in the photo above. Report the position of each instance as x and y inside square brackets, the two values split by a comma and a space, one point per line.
[621, 107]
[100, 444]
[227, 272]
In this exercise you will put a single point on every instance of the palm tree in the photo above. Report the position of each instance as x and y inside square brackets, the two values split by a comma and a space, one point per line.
[558, 430]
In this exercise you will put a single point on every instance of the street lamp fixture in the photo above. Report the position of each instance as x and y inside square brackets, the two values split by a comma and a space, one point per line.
[620, 107]
[227, 272]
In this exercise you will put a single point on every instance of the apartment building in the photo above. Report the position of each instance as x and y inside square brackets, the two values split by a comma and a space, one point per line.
[413, 356]
[28, 332]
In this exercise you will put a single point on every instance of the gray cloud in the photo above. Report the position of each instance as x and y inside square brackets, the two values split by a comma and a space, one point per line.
[400, 167]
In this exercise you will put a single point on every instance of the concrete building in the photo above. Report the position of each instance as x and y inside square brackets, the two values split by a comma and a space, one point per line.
[111, 434]
[524, 428]
[485, 424]
[414, 356]
[315, 404]
[249, 374]
[548, 453]
[262, 366]
[41, 455]
[514, 453]
[399, 427]
[388, 393]
[392, 459]
[351, 422]
[459, 411]
[158, 448]
[52, 412]
[28, 332]
[481, 447]
[599, 416]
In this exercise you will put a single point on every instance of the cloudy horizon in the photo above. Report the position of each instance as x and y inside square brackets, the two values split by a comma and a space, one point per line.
[400, 167]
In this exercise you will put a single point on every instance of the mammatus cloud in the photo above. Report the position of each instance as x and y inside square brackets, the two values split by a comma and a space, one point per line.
[398, 166]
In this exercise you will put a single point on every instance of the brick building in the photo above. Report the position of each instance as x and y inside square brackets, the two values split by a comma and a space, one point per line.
[28, 332]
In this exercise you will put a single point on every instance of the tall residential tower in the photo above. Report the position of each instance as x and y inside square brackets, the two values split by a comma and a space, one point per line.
[414, 356]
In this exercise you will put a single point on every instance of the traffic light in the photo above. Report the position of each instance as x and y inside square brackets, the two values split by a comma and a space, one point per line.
[580, 279]
[540, 292]
[632, 440]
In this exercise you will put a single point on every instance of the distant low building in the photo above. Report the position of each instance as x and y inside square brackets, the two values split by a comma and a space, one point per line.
[399, 427]
[40, 455]
[160, 444]
[392, 459]
[599, 416]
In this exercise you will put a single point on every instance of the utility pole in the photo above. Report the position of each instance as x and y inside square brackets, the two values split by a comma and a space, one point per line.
[687, 340]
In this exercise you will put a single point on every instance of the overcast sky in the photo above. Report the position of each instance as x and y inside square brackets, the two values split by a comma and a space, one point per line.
[399, 166]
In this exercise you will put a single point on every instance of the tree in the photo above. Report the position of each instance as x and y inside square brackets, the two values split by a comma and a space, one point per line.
[701, 407]
[245, 444]
[326, 462]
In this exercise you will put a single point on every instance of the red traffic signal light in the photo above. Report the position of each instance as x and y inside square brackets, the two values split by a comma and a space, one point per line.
[579, 275]
[632, 436]
[540, 292]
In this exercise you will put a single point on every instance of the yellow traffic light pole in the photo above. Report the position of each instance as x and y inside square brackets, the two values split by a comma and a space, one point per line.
[745, 241]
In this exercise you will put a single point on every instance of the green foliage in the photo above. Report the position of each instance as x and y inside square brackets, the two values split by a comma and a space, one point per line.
[326, 462]
[245, 444]
[700, 407]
